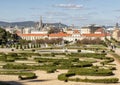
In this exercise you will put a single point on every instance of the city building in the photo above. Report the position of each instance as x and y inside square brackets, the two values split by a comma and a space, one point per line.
[41, 31]
[116, 32]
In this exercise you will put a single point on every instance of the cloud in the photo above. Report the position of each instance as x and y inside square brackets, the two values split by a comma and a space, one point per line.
[78, 18]
[69, 6]
[92, 13]
[56, 13]
[35, 8]
[118, 10]
[19, 19]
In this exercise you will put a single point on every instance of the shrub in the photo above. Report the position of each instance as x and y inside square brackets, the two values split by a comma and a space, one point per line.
[27, 76]
[107, 60]
[22, 75]
[65, 76]
[10, 60]
[62, 77]
[46, 54]
[82, 64]
[106, 80]
[88, 55]
[33, 50]
[52, 54]
[52, 70]
[79, 50]
[103, 51]
[17, 66]
[112, 68]
[12, 49]
[91, 71]
[112, 50]
[74, 59]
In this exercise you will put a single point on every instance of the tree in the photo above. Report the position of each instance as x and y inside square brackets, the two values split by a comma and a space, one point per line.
[7, 38]
[53, 30]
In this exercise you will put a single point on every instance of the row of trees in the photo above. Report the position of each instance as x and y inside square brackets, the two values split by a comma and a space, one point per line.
[42, 41]
[90, 41]
[26, 44]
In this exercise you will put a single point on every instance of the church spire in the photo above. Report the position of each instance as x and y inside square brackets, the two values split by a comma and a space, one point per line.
[40, 23]
[117, 25]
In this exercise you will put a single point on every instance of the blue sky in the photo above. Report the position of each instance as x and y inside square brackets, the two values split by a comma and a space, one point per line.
[77, 12]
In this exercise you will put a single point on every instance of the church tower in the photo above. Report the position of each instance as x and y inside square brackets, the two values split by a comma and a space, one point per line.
[117, 25]
[40, 27]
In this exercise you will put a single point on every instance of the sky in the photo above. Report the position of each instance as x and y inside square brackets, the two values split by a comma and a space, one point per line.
[70, 12]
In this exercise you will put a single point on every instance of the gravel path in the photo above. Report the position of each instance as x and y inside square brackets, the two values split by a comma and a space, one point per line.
[51, 79]
[117, 51]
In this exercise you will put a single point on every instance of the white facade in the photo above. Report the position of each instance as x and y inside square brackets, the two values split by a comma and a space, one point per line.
[8, 29]
[38, 32]
[33, 37]
[116, 34]
[69, 32]
[85, 30]
[26, 30]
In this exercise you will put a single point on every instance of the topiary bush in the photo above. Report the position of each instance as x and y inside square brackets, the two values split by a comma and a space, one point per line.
[65, 76]
[51, 70]
[27, 76]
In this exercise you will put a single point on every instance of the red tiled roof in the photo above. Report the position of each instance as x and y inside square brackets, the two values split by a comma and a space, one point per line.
[100, 30]
[76, 31]
[96, 35]
[60, 34]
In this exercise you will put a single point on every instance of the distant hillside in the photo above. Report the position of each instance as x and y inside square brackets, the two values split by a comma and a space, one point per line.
[25, 23]
[30, 24]
[57, 25]
[4, 23]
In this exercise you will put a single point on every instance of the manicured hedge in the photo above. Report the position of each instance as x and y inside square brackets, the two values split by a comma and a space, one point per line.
[91, 71]
[17, 66]
[105, 80]
[88, 55]
[107, 60]
[62, 77]
[30, 67]
[27, 76]
[65, 77]
[22, 75]
[51, 70]
[81, 64]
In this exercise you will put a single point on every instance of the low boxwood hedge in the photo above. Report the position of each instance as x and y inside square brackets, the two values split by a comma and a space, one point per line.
[91, 71]
[27, 76]
[51, 70]
[65, 77]
[105, 80]
[88, 55]
[22, 75]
